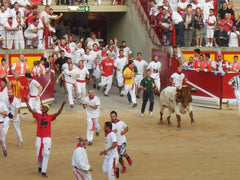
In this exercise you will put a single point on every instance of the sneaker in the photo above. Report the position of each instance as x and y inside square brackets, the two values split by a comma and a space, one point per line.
[39, 170]
[124, 170]
[117, 172]
[89, 143]
[138, 96]
[150, 113]
[44, 175]
[97, 133]
[20, 144]
[98, 88]
[134, 105]
[142, 114]
[129, 161]
[227, 104]
[105, 94]
[71, 106]
[5, 153]
[94, 86]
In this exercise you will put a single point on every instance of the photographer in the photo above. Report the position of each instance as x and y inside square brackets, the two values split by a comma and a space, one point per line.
[233, 36]
[188, 20]
[198, 26]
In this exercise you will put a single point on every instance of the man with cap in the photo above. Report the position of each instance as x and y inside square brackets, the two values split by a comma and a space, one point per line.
[43, 140]
[11, 27]
[35, 90]
[80, 160]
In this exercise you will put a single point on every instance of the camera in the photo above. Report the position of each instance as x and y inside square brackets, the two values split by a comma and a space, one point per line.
[10, 115]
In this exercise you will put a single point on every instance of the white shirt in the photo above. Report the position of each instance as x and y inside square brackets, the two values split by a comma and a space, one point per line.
[3, 108]
[126, 51]
[88, 61]
[233, 39]
[119, 126]
[4, 95]
[78, 55]
[195, 6]
[176, 17]
[140, 65]
[109, 140]
[3, 17]
[154, 68]
[80, 159]
[28, 32]
[10, 34]
[96, 54]
[92, 113]
[120, 62]
[177, 79]
[13, 12]
[33, 88]
[13, 106]
[82, 73]
[154, 11]
[182, 5]
[70, 76]
[46, 16]
[211, 19]
[207, 6]
[91, 42]
[65, 66]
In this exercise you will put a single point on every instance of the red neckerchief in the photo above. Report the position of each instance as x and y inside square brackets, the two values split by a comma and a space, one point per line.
[211, 15]
[90, 98]
[68, 50]
[121, 56]
[46, 11]
[194, 3]
[184, 1]
[131, 68]
[62, 45]
[108, 133]
[81, 67]
[10, 23]
[11, 99]
[30, 81]
[116, 121]
[104, 54]
[2, 88]
[139, 60]
[95, 50]
[110, 50]
[18, 20]
[79, 145]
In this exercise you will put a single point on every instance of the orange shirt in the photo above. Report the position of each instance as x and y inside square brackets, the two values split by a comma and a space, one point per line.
[17, 87]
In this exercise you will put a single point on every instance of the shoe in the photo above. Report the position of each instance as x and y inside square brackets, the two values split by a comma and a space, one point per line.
[117, 172]
[39, 170]
[94, 86]
[44, 175]
[98, 88]
[97, 133]
[5, 153]
[150, 113]
[227, 104]
[71, 106]
[105, 94]
[89, 143]
[20, 144]
[124, 170]
[134, 105]
[142, 114]
[129, 161]
[138, 96]
[121, 95]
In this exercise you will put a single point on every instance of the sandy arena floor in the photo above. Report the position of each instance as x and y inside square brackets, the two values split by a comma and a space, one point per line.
[208, 150]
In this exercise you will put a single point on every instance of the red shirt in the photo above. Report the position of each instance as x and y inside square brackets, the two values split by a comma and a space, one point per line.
[44, 124]
[107, 67]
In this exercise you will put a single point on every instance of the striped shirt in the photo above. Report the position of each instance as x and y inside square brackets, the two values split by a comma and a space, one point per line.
[236, 81]
[17, 87]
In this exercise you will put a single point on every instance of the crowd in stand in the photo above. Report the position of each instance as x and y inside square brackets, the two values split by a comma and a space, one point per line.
[196, 22]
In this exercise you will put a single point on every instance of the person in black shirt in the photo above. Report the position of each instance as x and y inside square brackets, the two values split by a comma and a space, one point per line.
[60, 61]
[223, 11]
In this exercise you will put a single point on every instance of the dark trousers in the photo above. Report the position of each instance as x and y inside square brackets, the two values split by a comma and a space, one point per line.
[147, 96]
[180, 30]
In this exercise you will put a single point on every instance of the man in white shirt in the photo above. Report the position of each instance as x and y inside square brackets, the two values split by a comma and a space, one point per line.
[19, 39]
[110, 152]
[4, 90]
[88, 61]
[3, 114]
[11, 27]
[140, 64]
[31, 34]
[80, 160]
[119, 63]
[13, 105]
[177, 78]
[126, 50]
[3, 18]
[120, 128]
[92, 41]
[81, 80]
[78, 53]
[35, 90]
[96, 53]
[92, 105]
[233, 37]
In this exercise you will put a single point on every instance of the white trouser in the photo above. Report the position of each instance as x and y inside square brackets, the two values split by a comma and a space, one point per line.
[237, 101]
[45, 2]
[119, 80]
[19, 40]
[2, 137]
[106, 80]
[15, 124]
[157, 82]
[29, 37]
[108, 167]
[90, 129]
[40, 39]
[46, 148]
[8, 39]
[97, 72]
[70, 89]
[81, 90]
[81, 175]
[131, 89]
[138, 79]
[35, 104]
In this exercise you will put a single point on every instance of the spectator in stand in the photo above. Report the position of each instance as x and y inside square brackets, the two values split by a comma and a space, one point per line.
[16, 9]
[154, 11]
[31, 34]
[190, 62]
[227, 22]
[232, 9]
[235, 65]
[221, 37]
[20, 67]
[38, 69]
[206, 6]
[198, 26]
[223, 11]
[188, 20]
[210, 64]
[3, 18]
[196, 53]
[233, 37]
[10, 29]
[201, 64]
[4, 68]
[92, 41]
[19, 39]
[45, 64]
[237, 22]
[211, 25]
[31, 18]
[195, 4]
[178, 22]
[222, 65]
[182, 7]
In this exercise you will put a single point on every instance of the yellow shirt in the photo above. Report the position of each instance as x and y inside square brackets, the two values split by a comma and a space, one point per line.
[17, 87]
[127, 72]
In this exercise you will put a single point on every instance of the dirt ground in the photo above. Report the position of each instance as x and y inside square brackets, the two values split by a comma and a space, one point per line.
[208, 150]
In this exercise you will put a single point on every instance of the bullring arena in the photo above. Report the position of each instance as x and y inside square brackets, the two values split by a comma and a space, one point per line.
[208, 150]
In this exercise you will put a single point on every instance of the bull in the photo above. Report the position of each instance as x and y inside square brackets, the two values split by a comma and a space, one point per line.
[178, 100]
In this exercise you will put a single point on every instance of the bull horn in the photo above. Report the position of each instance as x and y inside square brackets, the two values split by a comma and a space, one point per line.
[193, 90]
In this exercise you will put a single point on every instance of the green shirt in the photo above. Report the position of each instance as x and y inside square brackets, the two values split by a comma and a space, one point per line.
[149, 84]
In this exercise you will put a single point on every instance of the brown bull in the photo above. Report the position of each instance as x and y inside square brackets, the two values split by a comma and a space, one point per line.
[177, 100]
